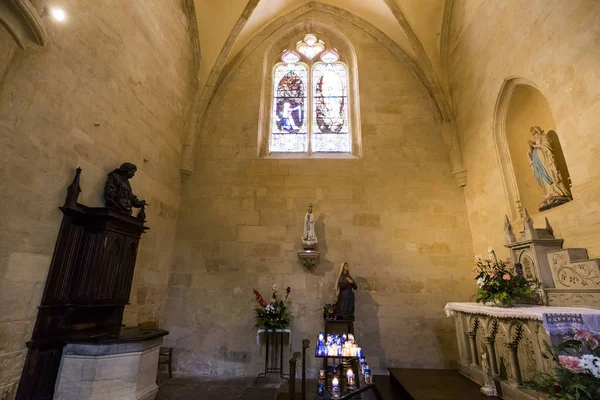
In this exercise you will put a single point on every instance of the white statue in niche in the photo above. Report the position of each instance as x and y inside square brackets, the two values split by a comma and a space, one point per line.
[309, 237]
[545, 170]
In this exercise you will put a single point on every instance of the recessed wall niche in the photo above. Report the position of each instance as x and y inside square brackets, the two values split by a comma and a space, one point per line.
[520, 107]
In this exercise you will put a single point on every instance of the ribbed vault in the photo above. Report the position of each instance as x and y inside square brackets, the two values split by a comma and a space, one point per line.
[412, 27]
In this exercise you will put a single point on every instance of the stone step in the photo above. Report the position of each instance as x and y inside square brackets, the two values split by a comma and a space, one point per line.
[434, 384]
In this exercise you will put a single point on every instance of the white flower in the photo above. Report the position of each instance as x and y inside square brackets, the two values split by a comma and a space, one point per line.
[274, 287]
[595, 361]
[591, 364]
[480, 282]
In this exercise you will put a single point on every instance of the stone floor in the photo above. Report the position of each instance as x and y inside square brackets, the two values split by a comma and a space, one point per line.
[212, 389]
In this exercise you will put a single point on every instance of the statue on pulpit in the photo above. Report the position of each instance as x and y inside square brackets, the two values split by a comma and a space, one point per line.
[344, 288]
[545, 170]
[117, 190]
[309, 237]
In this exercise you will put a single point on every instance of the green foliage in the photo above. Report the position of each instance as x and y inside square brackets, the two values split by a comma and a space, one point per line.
[567, 385]
[328, 311]
[499, 282]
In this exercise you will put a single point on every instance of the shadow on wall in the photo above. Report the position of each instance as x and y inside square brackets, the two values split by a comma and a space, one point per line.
[367, 329]
[325, 266]
[445, 336]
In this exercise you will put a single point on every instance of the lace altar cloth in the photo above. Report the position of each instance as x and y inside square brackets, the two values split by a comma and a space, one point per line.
[557, 321]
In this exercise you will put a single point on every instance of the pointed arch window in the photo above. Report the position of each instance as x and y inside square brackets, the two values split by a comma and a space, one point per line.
[310, 109]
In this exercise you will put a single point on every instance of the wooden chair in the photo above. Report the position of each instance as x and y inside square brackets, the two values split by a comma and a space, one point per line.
[165, 354]
[165, 357]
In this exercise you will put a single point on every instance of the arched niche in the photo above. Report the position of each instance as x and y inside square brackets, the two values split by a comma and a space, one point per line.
[520, 106]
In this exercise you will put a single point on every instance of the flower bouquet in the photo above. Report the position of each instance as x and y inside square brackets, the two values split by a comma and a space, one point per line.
[577, 374]
[329, 311]
[500, 284]
[272, 313]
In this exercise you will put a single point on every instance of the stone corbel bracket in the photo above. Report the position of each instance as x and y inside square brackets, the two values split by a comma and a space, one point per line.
[309, 258]
[22, 21]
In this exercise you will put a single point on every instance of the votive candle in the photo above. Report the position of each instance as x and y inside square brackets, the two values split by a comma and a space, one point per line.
[350, 377]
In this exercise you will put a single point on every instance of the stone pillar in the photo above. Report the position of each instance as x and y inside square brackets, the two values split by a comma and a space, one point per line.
[489, 343]
[473, 345]
[514, 361]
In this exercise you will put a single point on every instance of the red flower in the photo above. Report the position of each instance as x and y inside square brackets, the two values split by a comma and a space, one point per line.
[557, 388]
[259, 298]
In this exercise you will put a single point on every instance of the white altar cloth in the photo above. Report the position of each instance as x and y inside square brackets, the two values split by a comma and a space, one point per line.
[288, 331]
[520, 312]
[558, 321]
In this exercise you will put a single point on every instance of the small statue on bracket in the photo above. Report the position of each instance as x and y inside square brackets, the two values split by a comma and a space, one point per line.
[309, 237]
[118, 194]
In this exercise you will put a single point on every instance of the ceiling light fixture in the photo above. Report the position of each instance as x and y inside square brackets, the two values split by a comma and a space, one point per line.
[57, 14]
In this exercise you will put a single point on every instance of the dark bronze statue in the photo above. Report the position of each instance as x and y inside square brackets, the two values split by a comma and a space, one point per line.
[117, 191]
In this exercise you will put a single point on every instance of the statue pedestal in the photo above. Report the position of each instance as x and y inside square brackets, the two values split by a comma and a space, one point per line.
[309, 257]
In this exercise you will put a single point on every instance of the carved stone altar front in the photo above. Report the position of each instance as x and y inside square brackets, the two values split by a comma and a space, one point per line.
[513, 341]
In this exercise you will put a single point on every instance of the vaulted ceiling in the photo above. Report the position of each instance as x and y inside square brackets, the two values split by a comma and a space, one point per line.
[418, 27]
[237, 21]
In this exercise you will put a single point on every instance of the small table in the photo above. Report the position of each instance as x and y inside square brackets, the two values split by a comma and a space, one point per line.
[274, 352]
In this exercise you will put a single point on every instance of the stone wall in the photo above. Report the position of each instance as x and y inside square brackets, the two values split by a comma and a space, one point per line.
[113, 84]
[556, 46]
[396, 215]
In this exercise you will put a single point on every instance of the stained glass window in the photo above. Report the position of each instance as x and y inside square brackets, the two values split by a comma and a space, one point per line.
[310, 46]
[330, 105]
[310, 109]
[288, 123]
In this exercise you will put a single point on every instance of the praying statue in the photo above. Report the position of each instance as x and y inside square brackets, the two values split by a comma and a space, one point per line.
[545, 170]
[309, 237]
[117, 190]
[344, 292]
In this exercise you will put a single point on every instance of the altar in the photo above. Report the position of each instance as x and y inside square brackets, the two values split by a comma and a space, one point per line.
[513, 339]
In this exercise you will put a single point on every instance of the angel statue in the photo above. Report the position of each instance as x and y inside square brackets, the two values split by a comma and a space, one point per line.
[545, 170]
[309, 237]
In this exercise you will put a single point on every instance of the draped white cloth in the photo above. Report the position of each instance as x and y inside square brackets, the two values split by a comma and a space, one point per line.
[521, 312]
[288, 331]
[561, 323]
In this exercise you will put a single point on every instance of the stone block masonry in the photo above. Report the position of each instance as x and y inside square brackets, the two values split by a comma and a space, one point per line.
[113, 83]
